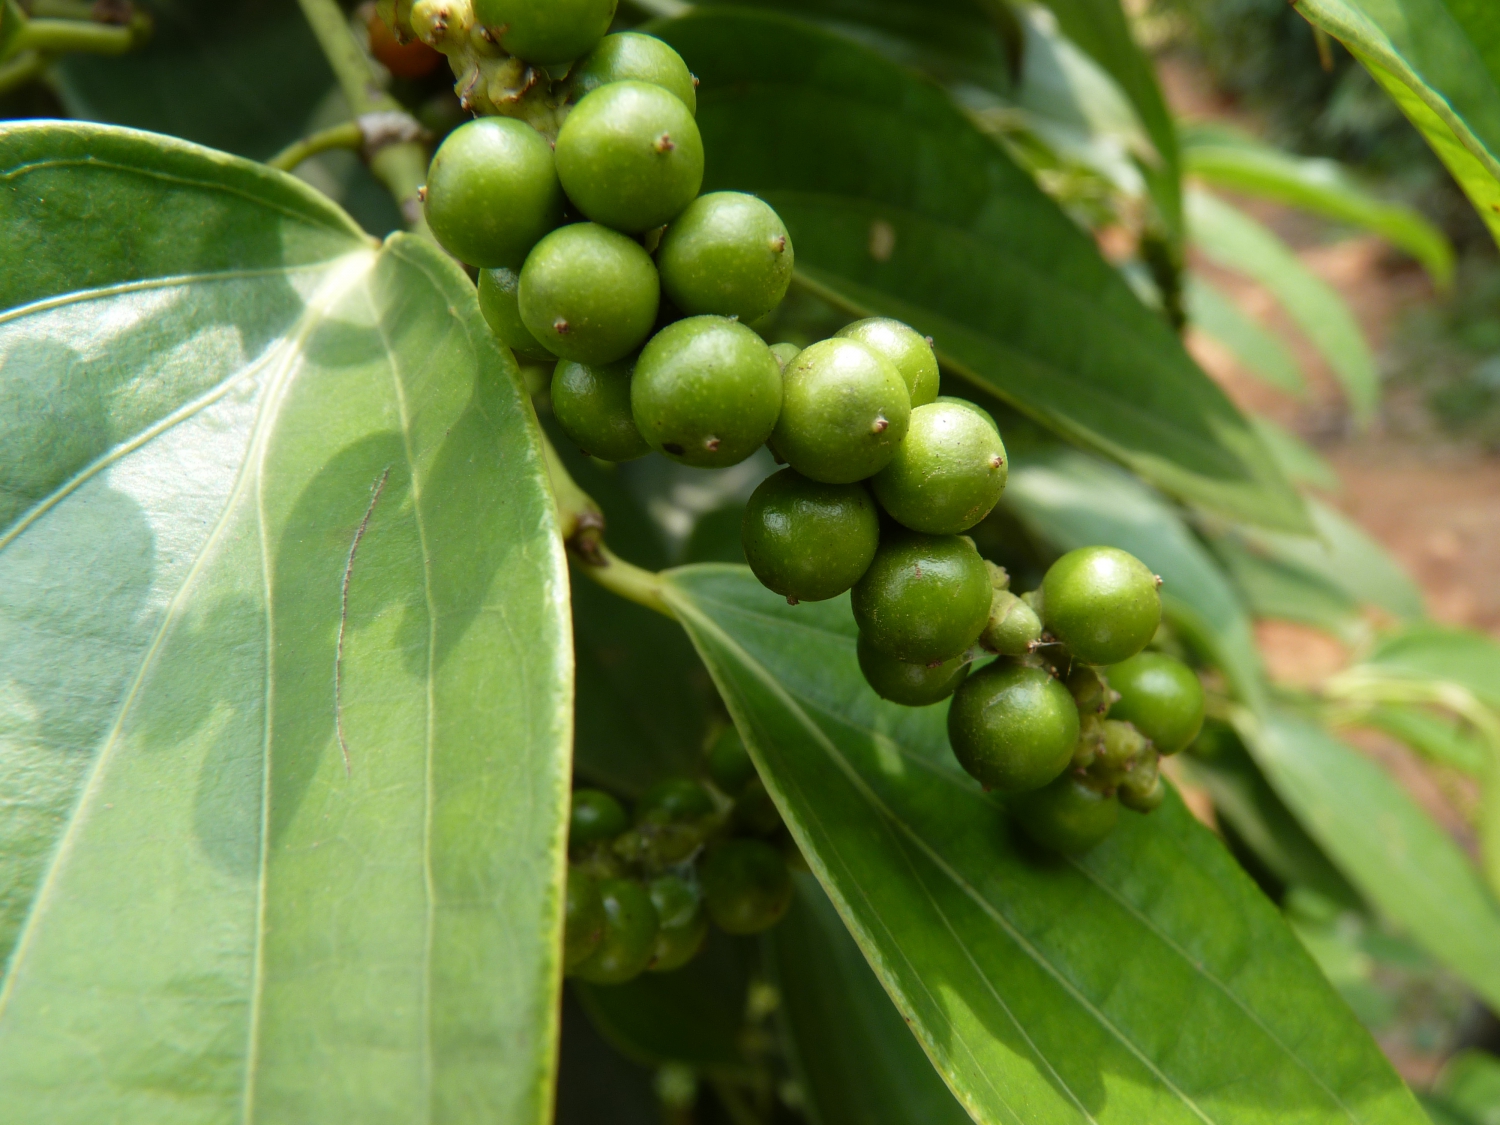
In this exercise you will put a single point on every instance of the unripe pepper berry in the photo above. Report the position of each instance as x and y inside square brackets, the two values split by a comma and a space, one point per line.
[684, 922]
[630, 156]
[588, 293]
[492, 192]
[629, 56]
[1102, 603]
[974, 406]
[746, 885]
[806, 540]
[583, 919]
[729, 763]
[546, 32]
[924, 598]
[728, 253]
[629, 939]
[911, 685]
[906, 348]
[843, 413]
[499, 301]
[947, 474]
[1012, 726]
[706, 392]
[672, 819]
[1160, 697]
[595, 816]
[1067, 816]
[1142, 789]
[1013, 627]
[592, 404]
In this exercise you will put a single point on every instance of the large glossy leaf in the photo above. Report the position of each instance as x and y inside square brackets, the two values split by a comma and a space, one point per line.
[1232, 239]
[897, 203]
[1440, 60]
[1230, 159]
[285, 689]
[1438, 652]
[1072, 500]
[1147, 981]
[1384, 843]
[855, 1057]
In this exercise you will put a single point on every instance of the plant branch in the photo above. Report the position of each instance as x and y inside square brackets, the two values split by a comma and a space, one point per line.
[347, 135]
[401, 167]
[21, 69]
[85, 36]
[582, 526]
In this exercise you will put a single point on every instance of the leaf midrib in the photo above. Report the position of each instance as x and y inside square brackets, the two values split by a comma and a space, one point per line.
[795, 705]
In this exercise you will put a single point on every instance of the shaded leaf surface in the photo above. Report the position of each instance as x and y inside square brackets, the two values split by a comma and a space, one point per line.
[284, 674]
[855, 1057]
[1148, 981]
[898, 204]
[1385, 844]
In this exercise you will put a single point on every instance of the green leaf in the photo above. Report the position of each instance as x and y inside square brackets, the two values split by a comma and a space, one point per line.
[1072, 500]
[959, 43]
[285, 685]
[1232, 239]
[595, 1083]
[1100, 28]
[1219, 763]
[239, 77]
[1276, 588]
[1214, 314]
[1440, 61]
[854, 1056]
[1384, 843]
[1147, 981]
[1440, 652]
[1436, 737]
[1469, 1086]
[1240, 163]
[898, 204]
[1298, 460]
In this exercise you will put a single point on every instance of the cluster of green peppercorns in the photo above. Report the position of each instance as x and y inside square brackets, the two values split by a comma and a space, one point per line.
[643, 889]
[579, 203]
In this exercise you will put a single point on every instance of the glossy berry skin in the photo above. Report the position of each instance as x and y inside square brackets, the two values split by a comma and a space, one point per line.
[629, 940]
[499, 301]
[674, 800]
[1067, 816]
[583, 919]
[974, 406]
[728, 253]
[911, 685]
[924, 597]
[844, 411]
[629, 156]
[729, 763]
[592, 404]
[629, 56]
[1012, 726]
[1013, 626]
[588, 293]
[746, 886]
[906, 348]
[546, 32]
[1160, 697]
[785, 353]
[706, 392]
[947, 473]
[1102, 603]
[492, 192]
[595, 817]
[807, 540]
[684, 922]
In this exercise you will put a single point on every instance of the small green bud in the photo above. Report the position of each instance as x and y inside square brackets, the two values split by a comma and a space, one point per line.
[1013, 628]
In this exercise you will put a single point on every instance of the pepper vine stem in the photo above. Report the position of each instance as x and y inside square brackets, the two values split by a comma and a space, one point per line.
[401, 167]
[347, 135]
[582, 525]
